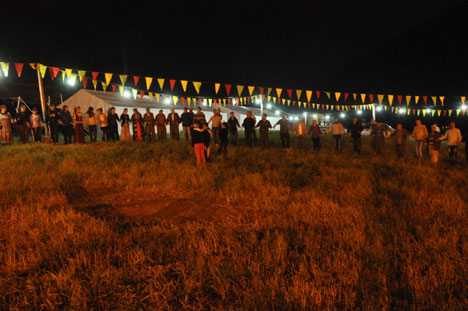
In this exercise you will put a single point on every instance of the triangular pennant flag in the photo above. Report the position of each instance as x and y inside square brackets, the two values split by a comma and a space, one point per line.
[424, 112]
[337, 96]
[19, 68]
[95, 75]
[269, 91]
[42, 69]
[217, 86]
[108, 78]
[399, 99]
[121, 90]
[183, 100]
[150, 95]
[157, 97]
[104, 86]
[68, 71]
[95, 84]
[458, 112]
[442, 99]
[278, 92]
[289, 91]
[251, 89]
[390, 99]
[346, 96]
[63, 76]
[463, 98]
[184, 85]
[136, 79]
[114, 87]
[355, 96]
[317, 93]
[433, 112]
[284, 101]
[142, 93]
[438, 112]
[434, 100]
[371, 98]
[240, 88]
[408, 99]
[33, 66]
[261, 89]
[172, 83]
[6, 67]
[123, 79]
[210, 101]
[327, 106]
[149, 80]
[416, 99]
[85, 82]
[228, 88]
[81, 74]
[328, 95]
[425, 100]
[197, 86]
[308, 95]
[298, 94]
[175, 99]
[380, 98]
[160, 82]
[363, 98]
[134, 92]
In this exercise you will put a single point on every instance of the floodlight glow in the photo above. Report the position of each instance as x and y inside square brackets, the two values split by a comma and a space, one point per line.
[167, 100]
[71, 82]
[315, 116]
[342, 115]
[359, 111]
[127, 94]
[204, 103]
[257, 100]
[379, 108]
[401, 111]
[277, 112]
[327, 117]
[233, 102]
[296, 118]
[463, 107]
[269, 106]
[428, 110]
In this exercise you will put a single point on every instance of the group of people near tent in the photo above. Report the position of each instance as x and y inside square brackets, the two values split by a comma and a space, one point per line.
[196, 130]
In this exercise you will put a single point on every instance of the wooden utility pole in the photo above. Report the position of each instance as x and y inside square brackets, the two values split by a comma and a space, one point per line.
[41, 94]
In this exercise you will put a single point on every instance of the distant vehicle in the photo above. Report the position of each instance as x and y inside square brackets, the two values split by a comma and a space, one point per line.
[367, 128]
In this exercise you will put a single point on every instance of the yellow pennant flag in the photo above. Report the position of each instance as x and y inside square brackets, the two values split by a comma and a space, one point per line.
[380, 98]
[308, 95]
[408, 99]
[337, 95]
[108, 78]
[157, 97]
[337, 107]
[69, 72]
[416, 99]
[434, 100]
[33, 66]
[424, 112]
[210, 101]
[354, 96]
[134, 92]
[363, 97]
[123, 79]
[269, 91]
[327, 106]
[197, 86]
[442, 99]
[433, 112]
[328, 95]
[278, 92]
[5, 67]
[81, 74]
[450, 112]
[184, 85]
[150, 95]
[269, 98]
[224, 101]
[63, 76]
[419, 111]
[148, 80]
[121, 90]
[439, 112]
[251, 89]
[458, 112]
[189, 99]
[463, 98]
[283, 100]
[240, 88]
[289, 102]
[94, 82]
[104, 86]
[313, 106]
[217, 86]
[390, 99]
[408, 111]
[42, 69]
[175, 99]
[161, 83]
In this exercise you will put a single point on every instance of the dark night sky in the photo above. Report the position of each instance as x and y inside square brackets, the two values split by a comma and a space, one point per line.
[364, 46]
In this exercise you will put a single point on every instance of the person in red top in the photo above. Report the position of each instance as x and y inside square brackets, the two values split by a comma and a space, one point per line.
[79, 130]
[316, 133]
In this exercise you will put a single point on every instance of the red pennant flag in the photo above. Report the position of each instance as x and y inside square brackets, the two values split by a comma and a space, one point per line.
[248, 100]
[19, 68]
[114, 87]
[463, 112]
[318, 94]
[289, 92]
[136, 79]
[371, 97]
[399, 99]
[261, 90]
[445, 113]
[141, 94]
[323, 106]
[228, 88]
[95, 75]
[425, 100]
[183, 100]
[54, 72]
[238, 101]
[172, 83]
[294, 103]
[85, 82]
[346, 96]
[308, 105]
[229, 101]
[414, 112]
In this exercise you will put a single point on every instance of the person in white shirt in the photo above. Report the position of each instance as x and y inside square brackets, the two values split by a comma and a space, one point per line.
[336, 129]
[454, 137]
[301, 132]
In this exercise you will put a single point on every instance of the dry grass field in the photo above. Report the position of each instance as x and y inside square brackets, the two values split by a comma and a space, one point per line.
[138, 226]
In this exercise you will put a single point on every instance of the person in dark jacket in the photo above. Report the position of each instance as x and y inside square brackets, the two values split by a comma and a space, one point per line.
[355, 131]
[187, 122]
[53, 121]
[264, 126]
[233, 124]
[173, 120]
[149, 121]
[223, 138]
[67, 125]
[400, 135]
[22, 124]
[379, 132]
[249, 127]
[433, 144]
[161, 125]
[285, 127]
[112, 123]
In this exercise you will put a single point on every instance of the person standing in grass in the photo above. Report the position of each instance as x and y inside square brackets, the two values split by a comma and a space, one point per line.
[198, 144]
[379, 132]
[173, 120]
[233, 125]
[113, 125]
[78, 123]
[125, 124]
[264, 126]
[137, 124]
[301, 132]
[336, 129]
[420, 134]
[216, 120]
[36, 125]
[316, 133]
[200, 116]
[223, 138]
[148, 118]
[53, 121]
[207, 140]
[102, 118]
[433, 144]
[91, 121]
[23, 125]
[285, 127]
[355, 130]
[454, 138]
[248, 125]
[399, 135]
[6, 136]
[254, 132]
[67, 125]
[187, 123]
[161, 126]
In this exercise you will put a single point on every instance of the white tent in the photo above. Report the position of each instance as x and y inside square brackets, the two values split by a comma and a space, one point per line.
[105, 100]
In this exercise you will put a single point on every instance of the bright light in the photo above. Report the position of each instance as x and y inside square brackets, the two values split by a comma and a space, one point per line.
[269, 106]
[127, 94]
[233, 102]
[463, 107]
[296, 118]
[379, 108]
[71, 81]
[204, 103]
[167, 100]
[327, 117]
[401, 111]
[428, 110]
[315, 116]
[342, 115]
[305, 114]
[257, 100]
[359, 111]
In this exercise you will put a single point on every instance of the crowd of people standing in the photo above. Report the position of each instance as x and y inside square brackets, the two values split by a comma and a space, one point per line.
[196, 130]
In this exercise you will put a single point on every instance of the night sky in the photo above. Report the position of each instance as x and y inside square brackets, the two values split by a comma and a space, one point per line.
[406, 47]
